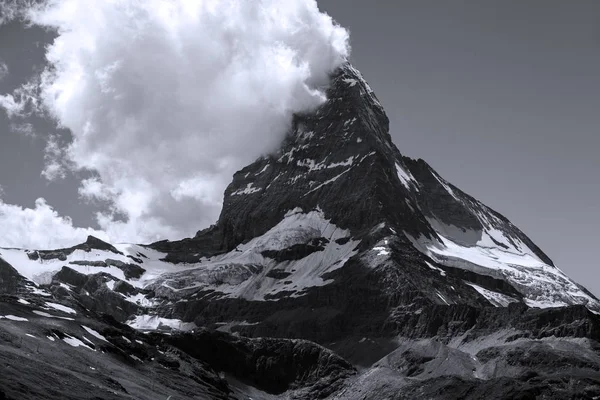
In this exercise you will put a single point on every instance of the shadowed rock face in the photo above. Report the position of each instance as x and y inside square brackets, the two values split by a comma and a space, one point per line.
[272, 365]
[335, 252]
[91, 292]
[10, 280]
[61, 254]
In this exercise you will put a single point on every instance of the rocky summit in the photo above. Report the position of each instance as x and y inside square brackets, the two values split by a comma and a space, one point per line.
[338, 269]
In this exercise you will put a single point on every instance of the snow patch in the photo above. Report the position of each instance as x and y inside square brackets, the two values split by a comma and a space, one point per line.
[345, 163]
[41, 271]
[541, 285]
[14, 318]
[94, 333]
[65, 286]
[406, 178]
[45, 314]
[335, 178]
[442, 298]
[249, 189]
[497, 299]
[349, 122]
[74, 342]
[382, 251]
[446, 186]
[40, 292]
[262, 170]
[441, 271]
[152, 322]
[60, 307]
[242, 273]
[140, 299]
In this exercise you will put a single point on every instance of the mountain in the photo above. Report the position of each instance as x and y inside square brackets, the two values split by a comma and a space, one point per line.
[338, 268]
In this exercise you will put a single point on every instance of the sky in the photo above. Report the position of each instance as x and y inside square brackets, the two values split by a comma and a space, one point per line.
[159, 103]
[500, 97]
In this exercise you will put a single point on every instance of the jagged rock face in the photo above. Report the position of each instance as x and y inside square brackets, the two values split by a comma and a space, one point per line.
[336, 159]
[92, 243]
[10, 280]
[92, 292]
[9, 277]
[416, 240]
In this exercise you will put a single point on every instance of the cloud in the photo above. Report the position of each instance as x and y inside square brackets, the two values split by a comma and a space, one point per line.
[10, 105]
[24, 101]
[55, 167]
[12, 9]
[23, 128]
[40, 227]
[3, 70]
[165, 99]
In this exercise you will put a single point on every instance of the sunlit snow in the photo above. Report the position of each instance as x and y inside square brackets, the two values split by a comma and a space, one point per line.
[62, 308]
[94, 333]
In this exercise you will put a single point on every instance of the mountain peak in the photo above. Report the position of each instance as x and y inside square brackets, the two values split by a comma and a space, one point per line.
[340, 162]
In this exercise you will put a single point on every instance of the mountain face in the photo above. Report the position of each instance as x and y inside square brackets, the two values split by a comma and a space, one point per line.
[338, 268]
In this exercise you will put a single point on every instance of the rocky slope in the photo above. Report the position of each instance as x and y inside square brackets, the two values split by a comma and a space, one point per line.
[338, 268]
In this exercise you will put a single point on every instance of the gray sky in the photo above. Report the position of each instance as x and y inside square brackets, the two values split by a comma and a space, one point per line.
[501, 97]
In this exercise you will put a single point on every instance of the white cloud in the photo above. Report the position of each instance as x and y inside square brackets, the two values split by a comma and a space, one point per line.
[39, 228]
[55, 167]
[24, 101]
[10, 105]
[165, 99]
[12, 9]
[3, 70]
[23, 128]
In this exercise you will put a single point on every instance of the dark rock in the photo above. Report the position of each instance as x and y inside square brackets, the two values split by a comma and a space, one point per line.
[278, 274]
[136, 259]
[272, 365]
[89, 263]
[131, 271]
[11, 282]
[92, 243]
[297, 251]
[92, 293]
[343, 241]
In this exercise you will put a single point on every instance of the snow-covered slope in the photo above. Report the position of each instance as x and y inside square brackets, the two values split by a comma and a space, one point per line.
[493, 246]
[262, 268]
